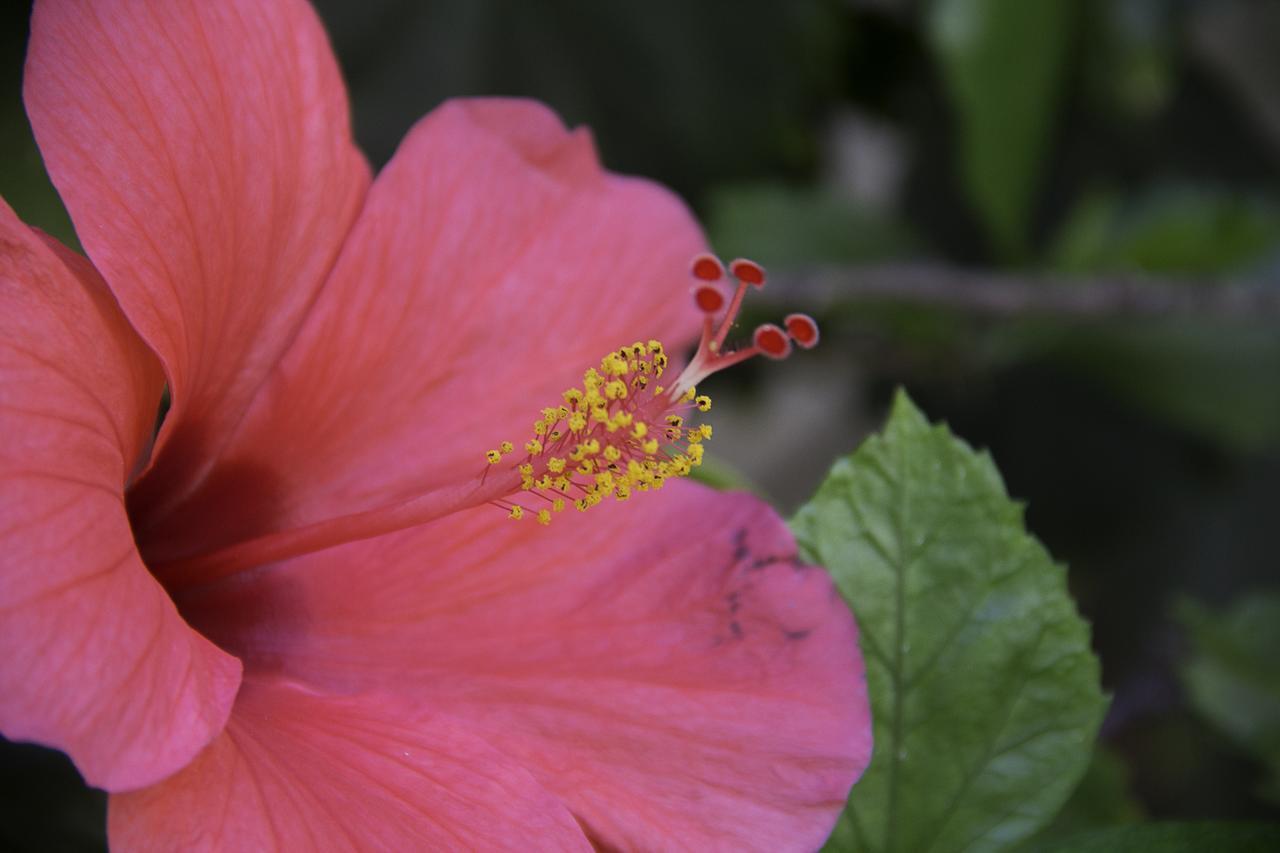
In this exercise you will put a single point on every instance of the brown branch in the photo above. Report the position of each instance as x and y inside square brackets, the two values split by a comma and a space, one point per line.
[1012, 294]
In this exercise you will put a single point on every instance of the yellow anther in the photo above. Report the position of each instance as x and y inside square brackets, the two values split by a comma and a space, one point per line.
[517, 512]
[573, 450]
[613, 365]
[493, 456]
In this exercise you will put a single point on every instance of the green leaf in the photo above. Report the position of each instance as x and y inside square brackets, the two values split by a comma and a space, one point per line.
[1219, 837]
[1234, 675]
[1003, 63]
[984, 693]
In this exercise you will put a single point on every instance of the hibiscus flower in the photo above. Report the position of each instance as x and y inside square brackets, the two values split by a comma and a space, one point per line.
[296, 619]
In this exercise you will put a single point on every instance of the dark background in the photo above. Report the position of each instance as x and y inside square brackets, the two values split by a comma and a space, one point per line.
[1008, 142]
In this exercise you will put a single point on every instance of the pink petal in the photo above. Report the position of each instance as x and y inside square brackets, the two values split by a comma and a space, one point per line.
[298, 771]
[493, 263]
[667, 667]
[97, 661]
[204, 152]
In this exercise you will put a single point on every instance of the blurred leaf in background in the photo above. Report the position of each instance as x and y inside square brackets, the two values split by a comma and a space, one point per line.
[1003, 63]
[781, 226]
[675, 90]
[1102, 799]
[23, 183]
[1216, 377]
[1206, 837]
[1233, 675]
[1171, 230]
[985, 694]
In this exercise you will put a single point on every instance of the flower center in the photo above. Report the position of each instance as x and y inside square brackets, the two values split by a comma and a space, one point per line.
[623, 431]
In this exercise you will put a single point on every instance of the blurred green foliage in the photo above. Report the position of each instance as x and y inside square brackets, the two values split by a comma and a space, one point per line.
[790, 227]
[1003, 64]
[1219, 837]
[1181, 231]
[1234, 675]
[1102, 799]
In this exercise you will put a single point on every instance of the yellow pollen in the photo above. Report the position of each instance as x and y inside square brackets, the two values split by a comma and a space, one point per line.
[627, 436]
[493, 456]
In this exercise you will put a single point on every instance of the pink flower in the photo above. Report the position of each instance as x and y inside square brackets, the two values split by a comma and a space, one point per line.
[295, 621]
